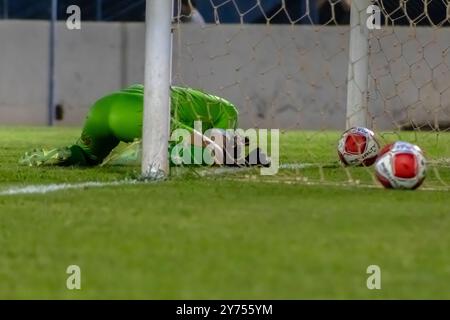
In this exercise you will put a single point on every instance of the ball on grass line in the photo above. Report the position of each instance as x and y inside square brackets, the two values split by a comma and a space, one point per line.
[401, 165]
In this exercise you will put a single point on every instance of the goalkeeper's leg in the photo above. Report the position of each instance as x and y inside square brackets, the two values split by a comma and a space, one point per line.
[96, 142]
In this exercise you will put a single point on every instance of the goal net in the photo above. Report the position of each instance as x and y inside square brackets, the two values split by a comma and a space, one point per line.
[315, 68]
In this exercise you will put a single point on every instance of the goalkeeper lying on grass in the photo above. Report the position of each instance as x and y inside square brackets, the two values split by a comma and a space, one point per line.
[117, 118]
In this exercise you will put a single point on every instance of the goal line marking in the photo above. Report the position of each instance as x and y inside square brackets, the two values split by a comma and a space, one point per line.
[48, 188]
[207, 172]
[54, 187]
[306, 182]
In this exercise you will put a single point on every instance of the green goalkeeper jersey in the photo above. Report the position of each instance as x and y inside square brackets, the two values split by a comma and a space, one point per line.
[117, 118]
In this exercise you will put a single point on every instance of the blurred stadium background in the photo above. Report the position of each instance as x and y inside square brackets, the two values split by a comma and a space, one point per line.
[248, 59]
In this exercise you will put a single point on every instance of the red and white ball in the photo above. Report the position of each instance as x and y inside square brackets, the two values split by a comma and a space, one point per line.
[401, 165]
[358, 147]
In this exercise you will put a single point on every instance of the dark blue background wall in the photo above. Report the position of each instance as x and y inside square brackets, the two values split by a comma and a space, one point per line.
[225, 11]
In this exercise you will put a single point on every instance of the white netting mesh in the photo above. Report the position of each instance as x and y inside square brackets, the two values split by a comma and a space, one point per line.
[410, 67]
[293, 76]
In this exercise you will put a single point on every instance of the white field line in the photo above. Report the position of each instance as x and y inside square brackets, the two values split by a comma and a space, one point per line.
[307, 182]
[48, 188]
[226, 170]
[301, 181]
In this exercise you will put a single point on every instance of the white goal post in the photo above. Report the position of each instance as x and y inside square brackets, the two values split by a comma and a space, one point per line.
[155, 135]
[358, 66]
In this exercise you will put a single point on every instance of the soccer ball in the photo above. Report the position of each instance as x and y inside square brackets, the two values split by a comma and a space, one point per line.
[358, 146]
[401, 165]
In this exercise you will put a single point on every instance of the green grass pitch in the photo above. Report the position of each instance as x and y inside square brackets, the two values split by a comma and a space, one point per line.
[306, 233]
